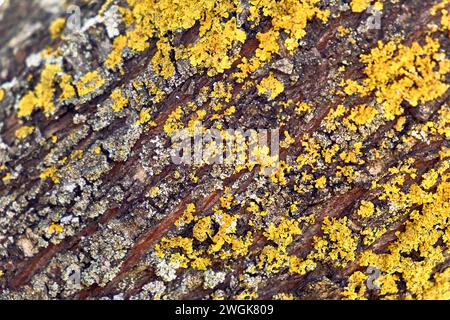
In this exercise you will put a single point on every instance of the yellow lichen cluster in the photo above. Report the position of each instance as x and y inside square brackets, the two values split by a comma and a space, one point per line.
[51, 173]
[442, 7]
[397, 73]
[363, 5]
[57, 27]
[271, 86]
[418, 249]
[68, 90]
[173, 122]
[289, 16]
[42, 95]
[366, 209]
[55, 228]
[222, 244]
[119, 101]
[89, 83]
[24, 132]
[338, 244]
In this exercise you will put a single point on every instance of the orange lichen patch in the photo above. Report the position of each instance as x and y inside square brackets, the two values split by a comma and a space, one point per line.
[119, 101]
[272, 259]
[145, 117]
[429, 179]
[268, 45]
[224, 244]
[439, 289]
[270, 86]
[370, 235]
[321, 182]
[57, 27]
[343, 31]
[227, 227]
[301, 267]
[89, 83]
[2, 94]
[246, 295]
[218, 31]
[7, 177]
[332, 116]
[329, 153]
[201, 263]
[283, 234]
[178, 242]
[302, 107]
[154, 192]
[226, 201]
[397, 73]
[24, 132]
[42, 95]
[160, 18]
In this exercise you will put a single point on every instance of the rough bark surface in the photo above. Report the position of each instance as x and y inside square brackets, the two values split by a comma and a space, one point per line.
[114, 194]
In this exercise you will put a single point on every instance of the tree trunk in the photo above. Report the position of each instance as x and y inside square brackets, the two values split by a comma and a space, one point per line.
[91, 202]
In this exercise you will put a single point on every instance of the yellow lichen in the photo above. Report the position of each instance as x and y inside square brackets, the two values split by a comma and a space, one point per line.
[203, 229]
[397, 73]
[188, 215]
[173, 122]
[338, 244]
[50, 173]
[366, 209]
[24, 132]
[42, 95]
[119, 101]
[55, 228]
[363, 5]
[115, 57]
[68, 91]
